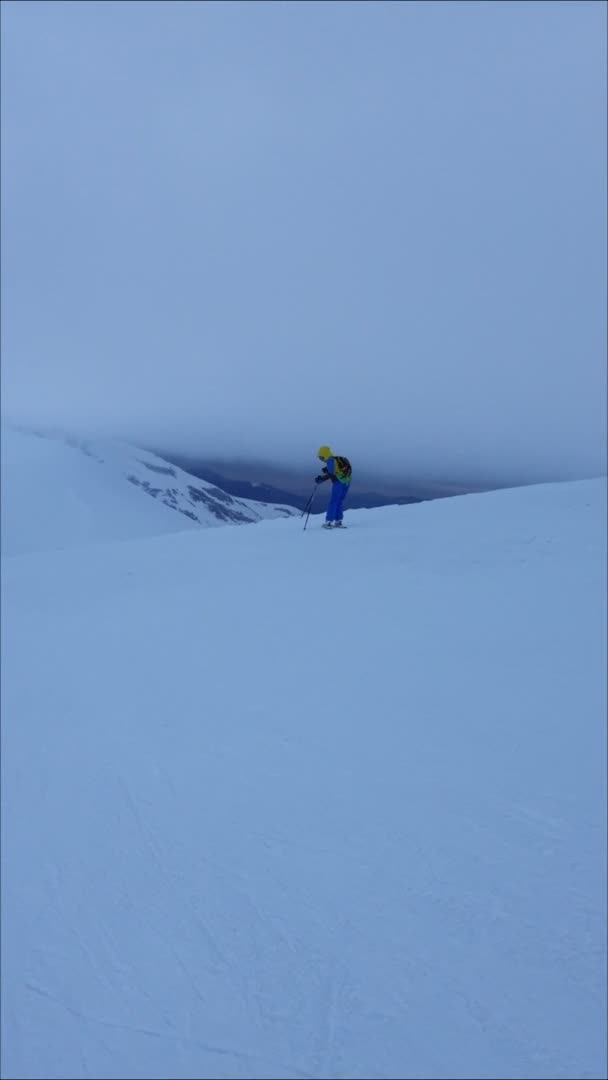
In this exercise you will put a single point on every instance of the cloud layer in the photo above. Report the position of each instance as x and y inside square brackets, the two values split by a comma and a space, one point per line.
[248, 229]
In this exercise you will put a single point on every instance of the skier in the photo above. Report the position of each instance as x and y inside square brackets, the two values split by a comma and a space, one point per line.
[338, 470]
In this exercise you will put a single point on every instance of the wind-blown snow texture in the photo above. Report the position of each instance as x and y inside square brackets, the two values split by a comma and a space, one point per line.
[58, 492]
[293, 804]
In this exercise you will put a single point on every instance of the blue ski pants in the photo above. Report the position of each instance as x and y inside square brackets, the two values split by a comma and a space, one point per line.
[339, 491]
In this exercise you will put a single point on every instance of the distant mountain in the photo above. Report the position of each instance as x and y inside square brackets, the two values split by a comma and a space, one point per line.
[57, 490]
[233, 481]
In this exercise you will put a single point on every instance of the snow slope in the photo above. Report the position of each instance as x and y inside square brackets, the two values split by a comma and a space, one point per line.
[300, 804]
[59, 492]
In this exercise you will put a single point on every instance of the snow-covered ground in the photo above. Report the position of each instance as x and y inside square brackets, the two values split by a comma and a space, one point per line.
[58, 492]
[299, 804]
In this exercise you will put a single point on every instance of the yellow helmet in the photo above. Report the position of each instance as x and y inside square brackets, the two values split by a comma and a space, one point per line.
[324, 453]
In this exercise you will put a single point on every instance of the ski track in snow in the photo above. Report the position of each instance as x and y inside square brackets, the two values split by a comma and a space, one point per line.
[222, 857]
[177, 1038]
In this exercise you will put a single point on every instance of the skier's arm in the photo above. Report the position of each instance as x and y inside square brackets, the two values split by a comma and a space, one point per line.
[330, 469]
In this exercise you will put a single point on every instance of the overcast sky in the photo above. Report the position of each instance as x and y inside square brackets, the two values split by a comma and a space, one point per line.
[251, 228]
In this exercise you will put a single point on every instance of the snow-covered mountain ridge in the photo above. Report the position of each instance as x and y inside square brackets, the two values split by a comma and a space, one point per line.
[60, 491]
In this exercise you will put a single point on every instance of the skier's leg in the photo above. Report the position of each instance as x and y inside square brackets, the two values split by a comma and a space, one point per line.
[332, 508]
[340, 505]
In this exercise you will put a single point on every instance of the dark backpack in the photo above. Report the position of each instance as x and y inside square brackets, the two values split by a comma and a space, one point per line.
[343, 467]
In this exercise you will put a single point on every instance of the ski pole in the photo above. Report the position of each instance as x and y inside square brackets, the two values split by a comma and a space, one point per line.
[309, 503]
[308, 506]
